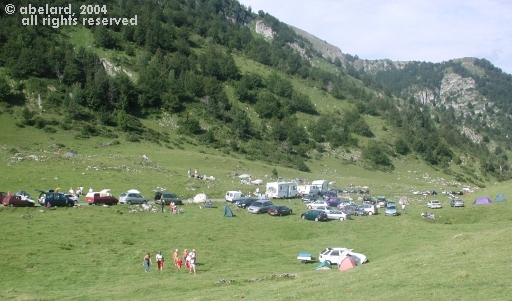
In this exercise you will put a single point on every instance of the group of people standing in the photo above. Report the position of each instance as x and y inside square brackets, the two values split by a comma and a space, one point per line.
[188, 257]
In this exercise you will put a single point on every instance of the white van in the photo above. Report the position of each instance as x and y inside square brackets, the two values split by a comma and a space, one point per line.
[233, 196]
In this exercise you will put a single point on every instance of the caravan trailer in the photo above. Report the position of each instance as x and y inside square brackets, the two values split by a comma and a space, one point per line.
[323, 185]
[308, 189]
[281, 190]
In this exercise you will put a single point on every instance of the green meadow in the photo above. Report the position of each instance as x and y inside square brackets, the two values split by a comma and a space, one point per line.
[95, 253]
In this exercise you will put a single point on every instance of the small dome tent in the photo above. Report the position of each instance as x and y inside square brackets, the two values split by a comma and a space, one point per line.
[483, 200]
[500, 198]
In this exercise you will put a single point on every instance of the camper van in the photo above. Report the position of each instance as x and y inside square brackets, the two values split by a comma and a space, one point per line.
[322, 185]
[233, 196]
[281, 190]
[308, 189]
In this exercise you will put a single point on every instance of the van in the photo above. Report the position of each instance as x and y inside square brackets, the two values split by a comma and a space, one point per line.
[233, 196]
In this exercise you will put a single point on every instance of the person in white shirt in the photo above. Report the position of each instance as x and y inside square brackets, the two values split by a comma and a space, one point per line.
[160, 260]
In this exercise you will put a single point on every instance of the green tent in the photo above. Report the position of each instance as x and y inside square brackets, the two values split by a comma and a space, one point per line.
[227, 212]
[500, 198]
[323, 266]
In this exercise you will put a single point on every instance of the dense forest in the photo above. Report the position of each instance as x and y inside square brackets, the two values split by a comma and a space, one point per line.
[183, 54]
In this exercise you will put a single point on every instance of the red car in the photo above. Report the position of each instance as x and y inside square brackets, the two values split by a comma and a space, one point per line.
[16, 201]
[102, 197]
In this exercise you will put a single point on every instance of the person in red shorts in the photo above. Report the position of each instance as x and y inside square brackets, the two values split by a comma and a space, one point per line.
[160, 260]
[176, 259]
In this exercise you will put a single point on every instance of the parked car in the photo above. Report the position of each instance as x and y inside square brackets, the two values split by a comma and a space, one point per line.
[259, 206]
[132, 198]
[103, 197]
[72, 197]
[338, 215]
[279, 210]
[314, 215]
[246, 202]
[16, 201]
[371, 209]
[311, 197]
[167, 197]
[457, 203]
[330, 194]
[434, 204]
[2, 196]
[315, 204]
[381, 201]
[56, 199]
[332, 255]
[391, 210]
[333, 202]
[359, 211]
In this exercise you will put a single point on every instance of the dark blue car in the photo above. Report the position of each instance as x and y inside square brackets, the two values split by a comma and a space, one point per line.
[333, 202]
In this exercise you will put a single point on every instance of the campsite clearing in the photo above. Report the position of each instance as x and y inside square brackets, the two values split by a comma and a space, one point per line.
[91, 248]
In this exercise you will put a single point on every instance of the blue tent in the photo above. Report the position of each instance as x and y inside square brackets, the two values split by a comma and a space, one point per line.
[227, 211]
[500, 198]
[323, 265]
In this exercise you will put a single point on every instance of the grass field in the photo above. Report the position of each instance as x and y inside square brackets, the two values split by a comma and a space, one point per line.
[95, 253]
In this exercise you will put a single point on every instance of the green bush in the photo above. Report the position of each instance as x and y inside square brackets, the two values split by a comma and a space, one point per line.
[50, 129]
[39, 122]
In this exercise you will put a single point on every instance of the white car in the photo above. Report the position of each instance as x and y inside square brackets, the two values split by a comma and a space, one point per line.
[316, 204]
[338, 215]
[333, 255]
[434, 204]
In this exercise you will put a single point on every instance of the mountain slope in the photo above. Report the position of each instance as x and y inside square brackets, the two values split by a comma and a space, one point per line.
[245, 83]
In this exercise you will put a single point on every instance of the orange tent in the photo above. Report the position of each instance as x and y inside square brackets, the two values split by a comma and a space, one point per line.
[347, 263]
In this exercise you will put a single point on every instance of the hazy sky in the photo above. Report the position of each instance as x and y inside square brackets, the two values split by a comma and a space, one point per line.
[404, 30]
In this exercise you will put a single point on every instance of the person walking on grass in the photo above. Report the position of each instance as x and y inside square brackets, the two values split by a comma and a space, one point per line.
[147, 262]
[403, 208]
[192, 256]
[162, 203]
[177, 261]
[160, 261]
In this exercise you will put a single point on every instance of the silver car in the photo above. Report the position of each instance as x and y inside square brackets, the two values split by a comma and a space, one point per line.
[338, 214]
[132, 198]
[260, 206]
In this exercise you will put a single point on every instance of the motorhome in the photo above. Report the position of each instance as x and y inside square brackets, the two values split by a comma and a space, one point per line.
[308, 189]
[322, 185]
[281, 190]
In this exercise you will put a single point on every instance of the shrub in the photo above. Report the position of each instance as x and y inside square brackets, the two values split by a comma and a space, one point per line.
[39, 122]
[50, 129]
